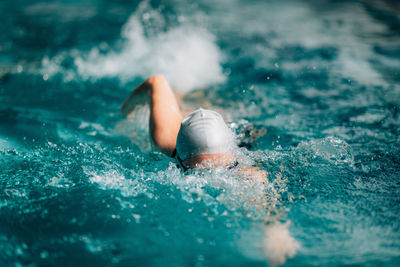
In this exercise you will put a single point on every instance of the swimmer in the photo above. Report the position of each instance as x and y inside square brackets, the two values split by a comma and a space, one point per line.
[200, 139]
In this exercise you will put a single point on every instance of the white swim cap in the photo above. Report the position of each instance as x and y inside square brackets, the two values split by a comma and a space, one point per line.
[204, 132]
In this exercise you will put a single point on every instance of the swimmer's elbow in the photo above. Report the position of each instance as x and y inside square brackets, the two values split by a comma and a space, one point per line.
[156, 79]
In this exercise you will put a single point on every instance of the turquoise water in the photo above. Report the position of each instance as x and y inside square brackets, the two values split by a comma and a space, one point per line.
[311, 89]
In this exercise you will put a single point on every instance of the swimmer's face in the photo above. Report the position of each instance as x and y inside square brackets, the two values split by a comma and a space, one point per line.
[214, 160]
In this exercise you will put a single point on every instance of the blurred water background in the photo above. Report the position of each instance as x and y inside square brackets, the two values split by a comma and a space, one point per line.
[311, 89]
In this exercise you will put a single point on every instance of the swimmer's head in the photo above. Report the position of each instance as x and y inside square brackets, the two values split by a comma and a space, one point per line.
[204, 137]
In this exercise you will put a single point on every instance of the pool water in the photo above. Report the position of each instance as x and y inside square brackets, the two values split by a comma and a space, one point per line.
[311, 89]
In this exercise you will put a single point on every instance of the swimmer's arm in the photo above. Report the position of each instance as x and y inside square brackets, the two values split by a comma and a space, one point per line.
[165, 114]
[255, 173]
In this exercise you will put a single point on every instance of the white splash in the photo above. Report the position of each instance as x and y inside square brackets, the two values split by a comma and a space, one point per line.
[187, 55]
[114, 180]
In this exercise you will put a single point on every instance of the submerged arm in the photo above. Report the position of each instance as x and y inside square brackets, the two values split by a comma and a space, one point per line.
[255, 173]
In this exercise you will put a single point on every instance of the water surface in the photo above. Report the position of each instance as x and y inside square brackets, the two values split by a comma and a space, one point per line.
[311, 89]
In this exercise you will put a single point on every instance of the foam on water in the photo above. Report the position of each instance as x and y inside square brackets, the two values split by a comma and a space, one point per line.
[330, 149]
[353, 55]
[212, 193]
[187, 55]
[224, 193]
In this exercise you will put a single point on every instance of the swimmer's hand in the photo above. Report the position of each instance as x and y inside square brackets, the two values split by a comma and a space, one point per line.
[139, 96]
[278, 244]
[255, 173]
[132, 102]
